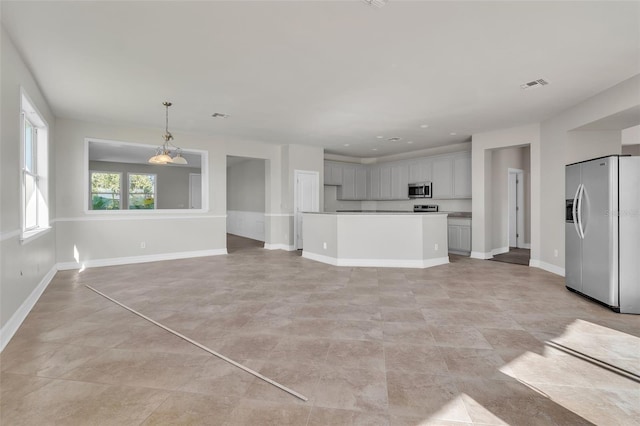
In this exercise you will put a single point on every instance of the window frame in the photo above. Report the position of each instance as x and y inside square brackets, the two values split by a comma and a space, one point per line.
[155, 190]
[204, 171]
[29, 115]
[90, 201]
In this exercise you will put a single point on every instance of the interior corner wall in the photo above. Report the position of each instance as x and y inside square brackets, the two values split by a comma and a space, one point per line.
[560, 144]
[483, 146]
[631, 149]
[25, 268]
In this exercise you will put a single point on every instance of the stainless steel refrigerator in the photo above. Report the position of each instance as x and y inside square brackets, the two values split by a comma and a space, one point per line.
[602, 231]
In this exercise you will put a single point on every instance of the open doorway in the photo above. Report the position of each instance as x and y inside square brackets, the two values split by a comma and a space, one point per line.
[515, 207]
[306, 199]
[510, 204]
[246, 201]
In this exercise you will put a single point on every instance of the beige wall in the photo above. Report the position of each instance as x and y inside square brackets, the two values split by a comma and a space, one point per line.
[24, 268]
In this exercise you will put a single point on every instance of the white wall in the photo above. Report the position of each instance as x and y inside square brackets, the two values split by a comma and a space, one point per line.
[561, 144]
[246, 199]
[554, 143]
[25, 268]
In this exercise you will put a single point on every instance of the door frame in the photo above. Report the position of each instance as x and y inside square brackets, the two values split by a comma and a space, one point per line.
[315, 197]
[519, 202]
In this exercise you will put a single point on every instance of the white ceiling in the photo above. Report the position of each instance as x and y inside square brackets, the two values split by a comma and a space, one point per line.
[324, 73]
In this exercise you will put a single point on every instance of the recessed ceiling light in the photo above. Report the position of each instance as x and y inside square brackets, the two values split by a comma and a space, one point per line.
[424, 126]
[453, 133]
[394, 139]
[374, 149]
[346, 144]
[379, 137]
[409, 141]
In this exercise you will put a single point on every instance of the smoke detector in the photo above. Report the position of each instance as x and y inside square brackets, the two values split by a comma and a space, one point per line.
[376, 3]
[533, 84]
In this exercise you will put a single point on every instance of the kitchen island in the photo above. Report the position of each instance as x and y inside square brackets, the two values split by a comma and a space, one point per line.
[372, 239]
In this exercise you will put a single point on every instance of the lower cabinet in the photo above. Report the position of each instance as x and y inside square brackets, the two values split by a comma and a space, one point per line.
[459, 231]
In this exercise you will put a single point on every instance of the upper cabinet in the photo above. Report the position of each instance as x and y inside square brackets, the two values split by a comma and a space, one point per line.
[332, 173]
[450, 174]
[462, 176]
[354, 182]
[442, 177]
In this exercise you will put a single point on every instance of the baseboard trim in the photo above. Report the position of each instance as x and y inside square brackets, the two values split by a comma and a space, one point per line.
[547, 267]
[377, 263]
[500, 250]
[286, 247]
[16, 320]
[480, 255]
[63, 266]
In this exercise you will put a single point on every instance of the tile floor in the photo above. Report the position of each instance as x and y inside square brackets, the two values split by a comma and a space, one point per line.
[472, 342]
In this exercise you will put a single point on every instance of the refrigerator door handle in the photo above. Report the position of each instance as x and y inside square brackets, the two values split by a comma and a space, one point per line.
[578, 222]
[574, 212]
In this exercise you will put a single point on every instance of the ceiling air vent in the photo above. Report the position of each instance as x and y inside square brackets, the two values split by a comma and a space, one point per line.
[376, 3]
[535, 83]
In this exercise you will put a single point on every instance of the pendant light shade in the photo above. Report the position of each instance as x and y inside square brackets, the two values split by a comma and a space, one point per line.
[163, 154]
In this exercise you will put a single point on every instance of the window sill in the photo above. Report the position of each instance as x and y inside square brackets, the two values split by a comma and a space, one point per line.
[34, 234]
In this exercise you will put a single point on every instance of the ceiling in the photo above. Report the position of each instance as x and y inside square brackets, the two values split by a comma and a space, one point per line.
[324, 73]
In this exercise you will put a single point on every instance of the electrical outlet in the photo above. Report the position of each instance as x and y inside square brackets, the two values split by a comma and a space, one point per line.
[143, 245]
[436, 246]
[324, 245]
[555, 253]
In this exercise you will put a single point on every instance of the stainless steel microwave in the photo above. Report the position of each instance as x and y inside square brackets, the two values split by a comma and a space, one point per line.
[420, 190]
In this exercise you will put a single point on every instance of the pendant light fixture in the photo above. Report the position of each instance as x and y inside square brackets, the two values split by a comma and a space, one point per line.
[163, 154]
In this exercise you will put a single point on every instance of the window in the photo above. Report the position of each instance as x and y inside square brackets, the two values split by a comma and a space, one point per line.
[142, 191]
[105, 190]
[34, 167]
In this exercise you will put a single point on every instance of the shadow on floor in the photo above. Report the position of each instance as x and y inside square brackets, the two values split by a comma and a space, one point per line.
[518, 256]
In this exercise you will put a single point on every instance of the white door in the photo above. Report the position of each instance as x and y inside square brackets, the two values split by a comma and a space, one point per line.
[306, 199]
[195, 191]
[516, 208]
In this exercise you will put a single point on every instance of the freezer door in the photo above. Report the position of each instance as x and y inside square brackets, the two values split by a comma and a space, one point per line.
[572, 240]
[629, 222]
[599, 225]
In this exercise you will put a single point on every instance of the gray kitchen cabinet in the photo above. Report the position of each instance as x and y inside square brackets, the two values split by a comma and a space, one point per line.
[373, 173]
[385, 182]
[354, 182]
[332, 173]
[462, 176]
[420, 170]
[459, 232]
[442, 177]
[400, 181]
[361, 183]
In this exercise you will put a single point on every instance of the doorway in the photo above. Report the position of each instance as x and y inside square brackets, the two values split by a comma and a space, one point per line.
[515, 205]
[306, 199]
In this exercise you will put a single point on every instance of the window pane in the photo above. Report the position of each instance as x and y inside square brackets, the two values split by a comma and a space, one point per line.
[30, 202]
[142, 191]
[105, 191]
[29, 147]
